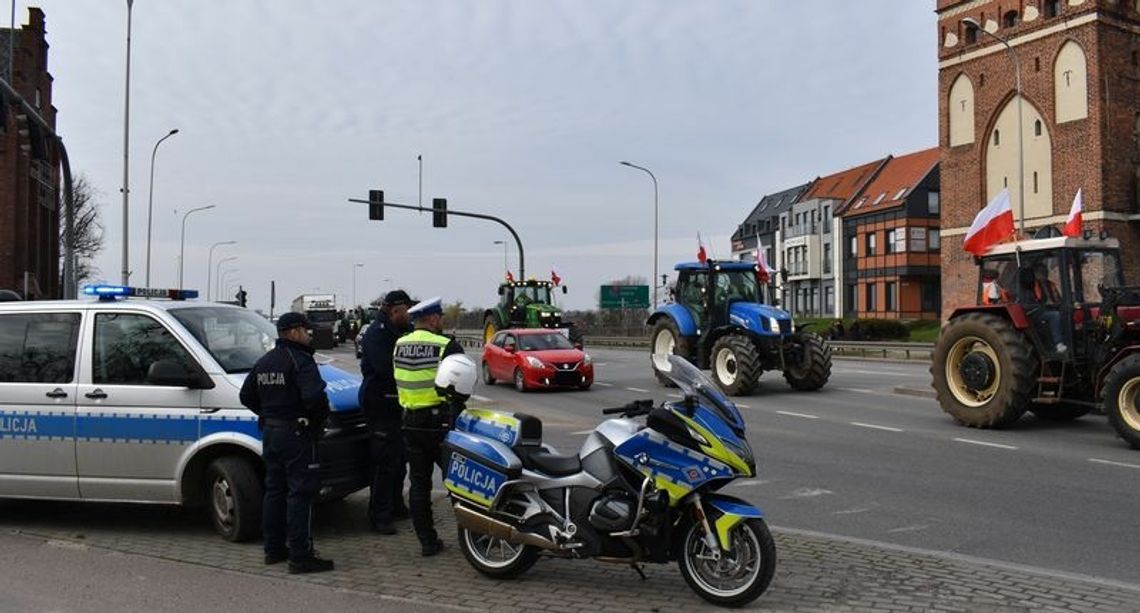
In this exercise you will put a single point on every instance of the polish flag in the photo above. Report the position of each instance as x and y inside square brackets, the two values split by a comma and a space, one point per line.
[764, 274]
[510, 277]
[1073, 223]
[554, 276]
[702, 257]
[991, 226]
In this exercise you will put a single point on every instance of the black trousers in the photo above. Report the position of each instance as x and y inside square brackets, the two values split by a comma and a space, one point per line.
[389, 469]
[424, 431]
[292, 481]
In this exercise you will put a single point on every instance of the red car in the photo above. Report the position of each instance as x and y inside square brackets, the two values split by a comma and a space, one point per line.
[536, 359]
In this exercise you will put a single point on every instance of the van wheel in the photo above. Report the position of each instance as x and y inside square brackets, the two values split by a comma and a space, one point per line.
[233, 497]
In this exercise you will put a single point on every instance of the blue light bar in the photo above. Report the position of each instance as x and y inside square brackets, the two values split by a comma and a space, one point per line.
[110, 292]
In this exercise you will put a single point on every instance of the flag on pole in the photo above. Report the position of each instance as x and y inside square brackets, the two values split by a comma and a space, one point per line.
[1073, 224]
[702, 256]
[554, 276]
[510, 277]
[991, 226]
[763, 272]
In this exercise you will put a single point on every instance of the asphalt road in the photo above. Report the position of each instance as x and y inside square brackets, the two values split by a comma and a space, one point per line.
[861, 461]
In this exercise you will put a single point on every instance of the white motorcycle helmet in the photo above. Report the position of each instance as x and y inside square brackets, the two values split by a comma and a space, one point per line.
[456, 377]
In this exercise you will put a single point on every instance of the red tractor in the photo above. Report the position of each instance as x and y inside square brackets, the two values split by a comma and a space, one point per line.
[1053, 331]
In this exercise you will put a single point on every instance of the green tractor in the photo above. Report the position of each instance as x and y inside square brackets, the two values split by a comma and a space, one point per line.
[527, 304]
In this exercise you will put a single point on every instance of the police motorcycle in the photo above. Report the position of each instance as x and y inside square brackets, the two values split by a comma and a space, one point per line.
[632, 494]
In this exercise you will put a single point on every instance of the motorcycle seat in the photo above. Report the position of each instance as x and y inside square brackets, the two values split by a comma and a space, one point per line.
[550, 463]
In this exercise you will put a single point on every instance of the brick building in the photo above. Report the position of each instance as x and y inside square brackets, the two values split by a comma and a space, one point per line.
[1080, 72]
[29, 168]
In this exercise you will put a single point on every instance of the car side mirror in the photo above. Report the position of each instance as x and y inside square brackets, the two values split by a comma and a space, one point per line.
[171, 373]
[565, 289]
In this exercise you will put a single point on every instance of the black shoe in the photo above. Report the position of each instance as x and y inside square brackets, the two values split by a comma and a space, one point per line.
[430, 549]
[275, 558]
[311, 564]
[384, 527]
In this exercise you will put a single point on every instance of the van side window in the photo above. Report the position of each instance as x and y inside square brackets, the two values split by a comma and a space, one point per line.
[38, 347]
[126, 344]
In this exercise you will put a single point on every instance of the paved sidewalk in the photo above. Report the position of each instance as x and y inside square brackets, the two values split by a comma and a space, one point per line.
[814, 573]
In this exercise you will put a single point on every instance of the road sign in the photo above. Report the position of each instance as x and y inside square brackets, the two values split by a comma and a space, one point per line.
[625, 296]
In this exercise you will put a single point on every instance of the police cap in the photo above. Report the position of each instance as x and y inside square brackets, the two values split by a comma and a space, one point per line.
[398, 297]
[431, 306]
[291, 320]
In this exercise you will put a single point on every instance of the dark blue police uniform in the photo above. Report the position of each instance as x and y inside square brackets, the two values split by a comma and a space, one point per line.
[381, 407]
[287, 393]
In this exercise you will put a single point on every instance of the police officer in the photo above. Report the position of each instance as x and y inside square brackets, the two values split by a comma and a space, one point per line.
[427, 416]
[287, 393]
[382, 410]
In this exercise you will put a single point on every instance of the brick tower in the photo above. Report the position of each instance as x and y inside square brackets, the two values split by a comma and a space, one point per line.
[1080, 108]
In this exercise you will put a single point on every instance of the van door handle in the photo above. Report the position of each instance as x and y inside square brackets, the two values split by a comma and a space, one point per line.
[97, 394]
[57, 393]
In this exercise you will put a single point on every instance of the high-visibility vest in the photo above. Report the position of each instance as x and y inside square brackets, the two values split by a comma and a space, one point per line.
[416, 360]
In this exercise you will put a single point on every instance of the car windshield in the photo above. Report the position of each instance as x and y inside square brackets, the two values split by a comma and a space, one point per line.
[693, 382]
[236, 338]
[540, 342]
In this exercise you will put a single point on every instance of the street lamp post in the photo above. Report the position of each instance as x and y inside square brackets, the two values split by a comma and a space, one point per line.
[506, 261]
[354, 267]
[653, 280]
[150, 200]
[210, 266]
[182, 247]
[126, 158]
[218, 274]
[973, 24]
[222, 280]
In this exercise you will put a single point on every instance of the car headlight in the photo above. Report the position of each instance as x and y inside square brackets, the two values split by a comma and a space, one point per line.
[586, 359]
[534, 362]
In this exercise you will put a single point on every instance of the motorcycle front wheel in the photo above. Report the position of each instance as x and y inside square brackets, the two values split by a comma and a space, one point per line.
[740, 575]
[495, 557]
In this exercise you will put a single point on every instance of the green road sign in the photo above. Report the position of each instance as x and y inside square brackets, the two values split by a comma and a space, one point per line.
[625, 297]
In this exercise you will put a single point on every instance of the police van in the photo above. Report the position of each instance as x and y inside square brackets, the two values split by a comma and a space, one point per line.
[133, 397]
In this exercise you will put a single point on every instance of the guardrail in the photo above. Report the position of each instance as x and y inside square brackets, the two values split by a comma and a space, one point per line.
[882, 349]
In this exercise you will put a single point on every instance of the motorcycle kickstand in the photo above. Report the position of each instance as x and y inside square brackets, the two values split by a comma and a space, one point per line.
[637, 567]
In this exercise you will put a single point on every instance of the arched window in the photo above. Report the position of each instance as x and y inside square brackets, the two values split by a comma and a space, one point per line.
[961, 111]
[1037, 128]
[1070, 83]
[1010, 19]
[997, 138]
[1051, 8]
[971, 35]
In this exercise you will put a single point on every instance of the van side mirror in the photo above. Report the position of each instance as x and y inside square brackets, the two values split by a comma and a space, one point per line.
[171, 373]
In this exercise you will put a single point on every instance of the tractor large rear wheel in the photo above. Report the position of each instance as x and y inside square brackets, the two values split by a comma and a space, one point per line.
[666, 340]
[735, 365]
[814, 368]
[491, 326]
[983, 371]
[1122, 399]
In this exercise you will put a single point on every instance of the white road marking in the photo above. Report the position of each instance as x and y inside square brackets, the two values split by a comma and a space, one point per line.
[983, 443]
[897, 373]
[480, 398]
[603, 384]
[807, 492]
[914, 528]
[744, 406]
[751, 482]
[853, 511]
[580, 432]
[873, 426]
[601, 363]
[676, 395]
[858, 390]
[1110, 462]
[804, 415]
[638, 390]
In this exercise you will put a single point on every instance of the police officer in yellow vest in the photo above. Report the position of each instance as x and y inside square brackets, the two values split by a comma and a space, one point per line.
[427, 415]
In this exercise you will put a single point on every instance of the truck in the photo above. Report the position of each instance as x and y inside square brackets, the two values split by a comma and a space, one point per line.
[320, 309]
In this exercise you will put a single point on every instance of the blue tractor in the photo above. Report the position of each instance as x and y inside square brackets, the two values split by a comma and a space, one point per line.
[719, 319]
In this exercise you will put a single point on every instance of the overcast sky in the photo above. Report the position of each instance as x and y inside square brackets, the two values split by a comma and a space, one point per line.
[521, 109]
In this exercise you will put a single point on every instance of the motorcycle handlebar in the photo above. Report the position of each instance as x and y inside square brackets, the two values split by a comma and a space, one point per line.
[637, 407]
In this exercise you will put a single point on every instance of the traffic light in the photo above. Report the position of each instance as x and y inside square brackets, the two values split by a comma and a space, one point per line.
[240, 296]
[439, 212]
[376, 204]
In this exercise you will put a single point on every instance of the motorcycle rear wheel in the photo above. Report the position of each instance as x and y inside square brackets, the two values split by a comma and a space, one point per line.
[741, 574]
[494, 557]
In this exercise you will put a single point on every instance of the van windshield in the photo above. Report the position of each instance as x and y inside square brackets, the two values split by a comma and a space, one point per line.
[237, 338]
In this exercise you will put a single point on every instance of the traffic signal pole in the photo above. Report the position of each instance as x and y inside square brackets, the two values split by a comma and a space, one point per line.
[409, 207]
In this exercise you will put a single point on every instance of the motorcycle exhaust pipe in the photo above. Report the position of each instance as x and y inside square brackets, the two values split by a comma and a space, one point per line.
[481, 524]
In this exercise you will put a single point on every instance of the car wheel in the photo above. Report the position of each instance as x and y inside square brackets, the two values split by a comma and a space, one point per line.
[520, 380]
[487, 378]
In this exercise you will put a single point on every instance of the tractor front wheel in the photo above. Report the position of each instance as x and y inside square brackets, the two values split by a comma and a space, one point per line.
[491, 325]
[814, 367]
[666, 340]
[983, 371]
[1122, 399]
[735, 365]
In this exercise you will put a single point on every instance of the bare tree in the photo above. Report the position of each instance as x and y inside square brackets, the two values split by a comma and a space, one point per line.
[88, 229]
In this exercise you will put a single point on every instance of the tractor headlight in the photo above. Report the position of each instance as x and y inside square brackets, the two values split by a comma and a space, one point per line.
[535, 362]
[773, 325]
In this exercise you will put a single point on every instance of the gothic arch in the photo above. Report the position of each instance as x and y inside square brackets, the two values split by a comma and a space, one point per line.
[1071, 83]
[961, 111]
[1001, 165]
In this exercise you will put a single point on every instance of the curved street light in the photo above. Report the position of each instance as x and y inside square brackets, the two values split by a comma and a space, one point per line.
[222, 280]
[150, 200]
[126, 161]
[210, 266]
[354, 267]
[218, 274]
[182, 247]
[506, 262]
[653, 281]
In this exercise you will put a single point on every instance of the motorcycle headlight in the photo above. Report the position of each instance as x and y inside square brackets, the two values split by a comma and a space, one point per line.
[534, 362]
